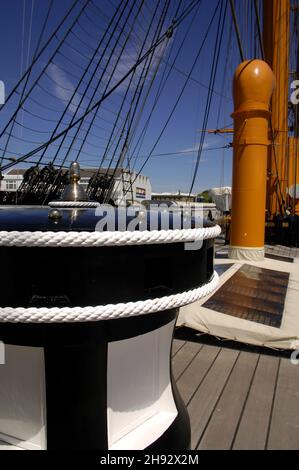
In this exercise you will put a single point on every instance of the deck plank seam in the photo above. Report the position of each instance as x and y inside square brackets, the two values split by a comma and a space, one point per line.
[173, 355]
[245, 402]
[204, 376]
[217, 401]
[272, 405]
[189, 363]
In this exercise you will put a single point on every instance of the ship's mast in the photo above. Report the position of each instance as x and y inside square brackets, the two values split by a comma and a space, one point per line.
[293, 170]
[253, 86]
[276, 36]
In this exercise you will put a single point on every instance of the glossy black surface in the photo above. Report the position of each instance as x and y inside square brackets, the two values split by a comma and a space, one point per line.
[58, 277]
[77, 276]
[76, 353]
[51, 335]
[37, 219]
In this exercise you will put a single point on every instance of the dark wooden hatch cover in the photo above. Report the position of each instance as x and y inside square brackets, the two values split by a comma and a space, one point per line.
[252, 293]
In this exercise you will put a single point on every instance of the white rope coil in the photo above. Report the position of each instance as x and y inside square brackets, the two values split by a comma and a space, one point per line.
[105, 312]
[73, 204]
[109, 238]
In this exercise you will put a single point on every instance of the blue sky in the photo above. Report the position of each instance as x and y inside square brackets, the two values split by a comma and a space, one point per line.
[168, 172]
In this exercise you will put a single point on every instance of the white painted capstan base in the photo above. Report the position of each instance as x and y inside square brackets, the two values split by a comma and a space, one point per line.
[23, 398]
[141, 406]
[5, 446]
[140, 402]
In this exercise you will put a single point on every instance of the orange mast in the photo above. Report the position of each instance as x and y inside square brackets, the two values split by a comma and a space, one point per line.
[276, 36]
[253, 86]
[293, 173]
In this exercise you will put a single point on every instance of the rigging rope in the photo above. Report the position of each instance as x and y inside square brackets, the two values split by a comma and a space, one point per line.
[237, 30]
[40, 74]
[163, 37]
[161, 86]
[218, 43]
[29, 73]
[120, 11]
[123, 98]
[138, 91]
[100, 79]
[41, 51]
[259, 28]
[181, 92]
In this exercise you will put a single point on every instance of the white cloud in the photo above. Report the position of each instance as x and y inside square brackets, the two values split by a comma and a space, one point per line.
[195, 148]
[63, 87]
[128, 59]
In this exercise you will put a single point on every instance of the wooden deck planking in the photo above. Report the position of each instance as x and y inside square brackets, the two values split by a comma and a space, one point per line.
[177, 344]
[238, 398]
[224, 421]
[205, 397]
[195, 373]
[284, 427]
[183, 358]
[254, 423]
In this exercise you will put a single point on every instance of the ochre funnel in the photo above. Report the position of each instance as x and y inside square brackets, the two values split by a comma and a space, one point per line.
[253, 86]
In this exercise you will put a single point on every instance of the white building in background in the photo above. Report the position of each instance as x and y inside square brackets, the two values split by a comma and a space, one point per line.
[128, 186]
[184, 200]
[178, 196]
[12, 180]
[222, 197]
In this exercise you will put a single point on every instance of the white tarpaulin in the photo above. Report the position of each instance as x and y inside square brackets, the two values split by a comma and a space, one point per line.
[226, 326]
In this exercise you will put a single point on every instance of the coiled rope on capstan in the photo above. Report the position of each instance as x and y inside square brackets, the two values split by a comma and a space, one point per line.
[108, 238]
[105, 312]
[73, 204]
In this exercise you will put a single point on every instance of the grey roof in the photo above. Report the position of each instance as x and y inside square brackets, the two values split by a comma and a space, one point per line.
[177, 193]
[16, 171]
[85, 172]
[88, 172]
